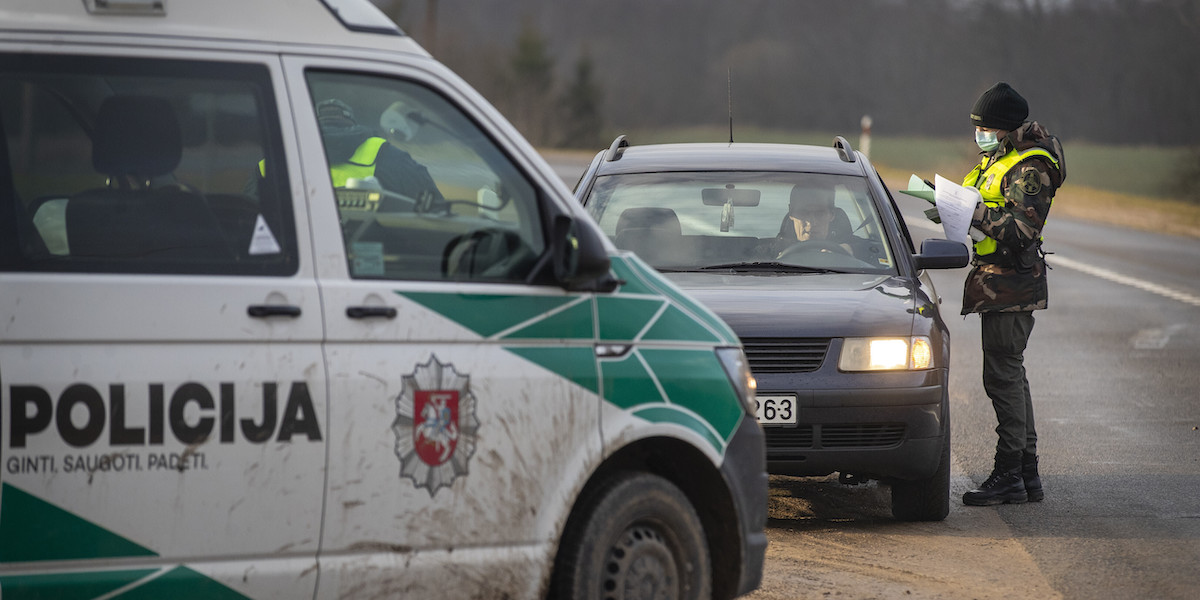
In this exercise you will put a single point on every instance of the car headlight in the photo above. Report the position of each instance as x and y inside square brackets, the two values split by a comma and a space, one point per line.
[738, 369]
[886, 354]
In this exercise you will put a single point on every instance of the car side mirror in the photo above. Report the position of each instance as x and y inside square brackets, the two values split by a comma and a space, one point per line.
[580, 262]
[942, 254]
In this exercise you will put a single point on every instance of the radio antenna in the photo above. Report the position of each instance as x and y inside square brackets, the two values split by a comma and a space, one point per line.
[729, 83]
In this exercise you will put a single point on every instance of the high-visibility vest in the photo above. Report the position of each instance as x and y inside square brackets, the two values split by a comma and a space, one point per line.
[988, 178]
[361, 164]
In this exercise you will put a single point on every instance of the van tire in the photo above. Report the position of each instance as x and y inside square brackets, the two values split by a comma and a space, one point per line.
[636, 537]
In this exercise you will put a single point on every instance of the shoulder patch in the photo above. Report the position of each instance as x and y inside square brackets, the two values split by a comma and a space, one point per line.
[1031, 183]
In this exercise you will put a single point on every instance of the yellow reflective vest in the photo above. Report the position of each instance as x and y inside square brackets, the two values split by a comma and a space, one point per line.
[360, 164]
[988, 179]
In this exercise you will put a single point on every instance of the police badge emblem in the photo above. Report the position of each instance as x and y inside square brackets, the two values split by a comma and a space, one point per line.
[1031, 183]
[435, 425]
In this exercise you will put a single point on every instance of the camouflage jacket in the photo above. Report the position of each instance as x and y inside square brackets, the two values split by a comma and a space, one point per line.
[1014, 277]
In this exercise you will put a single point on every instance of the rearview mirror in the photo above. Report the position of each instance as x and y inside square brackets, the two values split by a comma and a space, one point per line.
[489, 200]
[729, 195]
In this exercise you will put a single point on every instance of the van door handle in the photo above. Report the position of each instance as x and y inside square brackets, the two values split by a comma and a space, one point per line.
[273, 310]
[370, 312]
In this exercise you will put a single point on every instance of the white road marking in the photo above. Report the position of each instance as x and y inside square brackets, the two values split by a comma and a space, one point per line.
[1113, 276]
[1156, 338]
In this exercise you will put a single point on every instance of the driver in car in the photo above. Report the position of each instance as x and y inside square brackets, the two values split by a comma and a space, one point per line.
[813, 219]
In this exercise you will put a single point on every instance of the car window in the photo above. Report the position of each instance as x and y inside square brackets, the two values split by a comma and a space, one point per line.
[693, 220]
[423, 193]
[124, 165]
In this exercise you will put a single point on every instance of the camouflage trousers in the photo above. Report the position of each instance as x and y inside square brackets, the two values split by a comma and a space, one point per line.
[1005, 335]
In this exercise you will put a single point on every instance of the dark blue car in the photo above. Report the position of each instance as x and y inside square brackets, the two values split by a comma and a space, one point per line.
[802, 251]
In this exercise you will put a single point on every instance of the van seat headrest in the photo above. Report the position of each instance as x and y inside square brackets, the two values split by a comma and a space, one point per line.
[137, 136]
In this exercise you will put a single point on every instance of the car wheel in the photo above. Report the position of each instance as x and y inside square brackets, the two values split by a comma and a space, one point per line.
[925, 499]
[638, 537]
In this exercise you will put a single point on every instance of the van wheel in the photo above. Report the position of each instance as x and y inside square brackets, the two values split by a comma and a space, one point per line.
[925, 499]
[638, 537]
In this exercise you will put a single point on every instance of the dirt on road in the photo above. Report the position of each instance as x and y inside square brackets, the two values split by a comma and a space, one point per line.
[828, 540]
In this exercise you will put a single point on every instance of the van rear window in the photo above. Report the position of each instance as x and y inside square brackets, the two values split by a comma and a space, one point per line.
[121, 165]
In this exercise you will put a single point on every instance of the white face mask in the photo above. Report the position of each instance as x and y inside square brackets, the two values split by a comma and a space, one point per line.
[986, 140]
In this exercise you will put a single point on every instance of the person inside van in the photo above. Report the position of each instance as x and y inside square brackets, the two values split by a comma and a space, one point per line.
[354, 150]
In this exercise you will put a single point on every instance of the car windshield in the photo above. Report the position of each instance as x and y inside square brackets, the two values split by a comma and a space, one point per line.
[742, 221]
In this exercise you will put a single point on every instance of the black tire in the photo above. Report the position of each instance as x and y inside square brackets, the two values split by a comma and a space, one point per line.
[925, 499]
[637, 538]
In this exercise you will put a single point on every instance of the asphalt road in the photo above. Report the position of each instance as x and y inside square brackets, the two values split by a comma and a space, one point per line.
[1114, 370]
[1114, 367]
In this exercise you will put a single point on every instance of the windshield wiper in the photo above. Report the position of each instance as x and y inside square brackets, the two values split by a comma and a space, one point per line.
[766, 266]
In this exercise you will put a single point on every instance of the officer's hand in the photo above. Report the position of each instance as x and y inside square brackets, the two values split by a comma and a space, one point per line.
[932, 215]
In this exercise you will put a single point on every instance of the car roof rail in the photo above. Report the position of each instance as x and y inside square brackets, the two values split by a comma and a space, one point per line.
[617, 149]
[844, 149]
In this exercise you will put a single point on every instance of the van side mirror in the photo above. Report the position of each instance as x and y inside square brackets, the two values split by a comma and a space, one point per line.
[942, 254]
[580, 262]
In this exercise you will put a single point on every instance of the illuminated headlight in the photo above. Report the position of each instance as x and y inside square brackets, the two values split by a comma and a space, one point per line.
[738, 370]
[886, 354]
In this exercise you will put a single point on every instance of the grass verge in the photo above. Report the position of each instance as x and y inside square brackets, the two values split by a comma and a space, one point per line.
[1101, 206]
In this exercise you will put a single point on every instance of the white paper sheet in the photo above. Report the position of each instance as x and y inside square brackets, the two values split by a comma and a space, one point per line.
[956, 205]
[917, 187]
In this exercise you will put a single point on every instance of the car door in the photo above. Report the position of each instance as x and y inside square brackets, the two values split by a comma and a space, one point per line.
[462, 391]
[163, 392]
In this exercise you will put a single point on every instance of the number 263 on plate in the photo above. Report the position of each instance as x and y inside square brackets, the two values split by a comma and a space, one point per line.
[776, 410]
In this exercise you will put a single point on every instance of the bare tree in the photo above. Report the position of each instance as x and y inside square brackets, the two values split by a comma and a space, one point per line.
[530, 100]
[581, 102]
[1120, 71]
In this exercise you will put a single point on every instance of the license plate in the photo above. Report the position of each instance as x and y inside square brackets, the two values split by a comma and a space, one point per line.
[776, 410]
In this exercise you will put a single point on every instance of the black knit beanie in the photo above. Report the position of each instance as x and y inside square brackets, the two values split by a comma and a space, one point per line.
[1001, 107]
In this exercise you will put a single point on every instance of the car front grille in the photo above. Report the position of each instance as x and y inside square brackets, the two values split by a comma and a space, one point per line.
[785, 355]
[781, 438]
[861, 436]
[809, 437]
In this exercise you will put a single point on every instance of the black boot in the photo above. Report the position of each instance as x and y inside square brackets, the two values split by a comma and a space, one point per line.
[1033, 482]
[1003, 486]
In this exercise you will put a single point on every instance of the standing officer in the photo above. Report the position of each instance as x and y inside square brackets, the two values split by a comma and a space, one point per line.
[1022, 166]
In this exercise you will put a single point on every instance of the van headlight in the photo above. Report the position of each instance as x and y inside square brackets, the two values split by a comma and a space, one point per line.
[738, 369]
[886, 354]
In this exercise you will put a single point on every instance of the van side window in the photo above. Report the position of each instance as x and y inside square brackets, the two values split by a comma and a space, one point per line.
[124, 165]
[423, 193]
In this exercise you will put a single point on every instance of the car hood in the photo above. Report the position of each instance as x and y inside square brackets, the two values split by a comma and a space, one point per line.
[805, 305]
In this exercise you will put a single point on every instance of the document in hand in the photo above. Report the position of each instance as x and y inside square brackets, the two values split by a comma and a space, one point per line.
[917, 187]
[955, 204]
[922, 189]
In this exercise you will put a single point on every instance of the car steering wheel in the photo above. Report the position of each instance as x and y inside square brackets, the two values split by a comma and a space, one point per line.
[814, 246]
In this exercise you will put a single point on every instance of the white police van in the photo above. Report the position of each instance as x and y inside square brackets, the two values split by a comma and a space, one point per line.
[288, 311]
